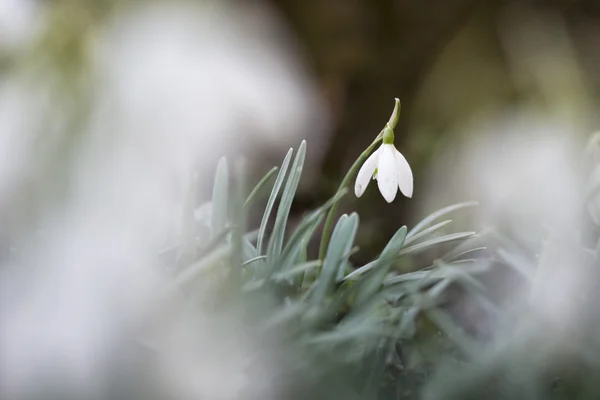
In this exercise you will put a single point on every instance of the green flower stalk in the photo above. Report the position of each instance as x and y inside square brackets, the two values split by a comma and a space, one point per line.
[386, 164]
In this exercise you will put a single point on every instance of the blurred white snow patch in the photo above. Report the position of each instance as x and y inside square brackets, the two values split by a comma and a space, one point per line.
[176, 86]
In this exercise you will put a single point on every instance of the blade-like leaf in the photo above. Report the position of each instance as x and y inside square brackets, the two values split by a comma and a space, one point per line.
[426, 232]
[220, 199]
[410, 276]
[213, 242]
[411, 249]
[276, 239]
[271, 201]
[207, 263]
[341, 242]
[437, 214]
[252, 260]
[342, 267]
[298, 269]
[289, 258]
[211, 259]
[450, 256]
[239, 224]
[304, 232]
[432, 242]
[259, 187]
[372, 283]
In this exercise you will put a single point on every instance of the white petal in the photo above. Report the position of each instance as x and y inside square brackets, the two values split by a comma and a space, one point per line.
[366, 173]
[405, 176]
[387, 175]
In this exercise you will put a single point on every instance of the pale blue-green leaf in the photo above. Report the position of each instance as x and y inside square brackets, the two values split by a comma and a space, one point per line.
[238, 213]
[451, 256]
[291, 255]
[276, 239]
[345, 265]
[432, 242]
[298, 269]
[370, 285]
[426, 232]
[437, 214]
[341, 242]
[407, 326]
[271, 201]
[253, 260]
[207, 263]
[412, 249]
[410, 276]
[304, 230]
[260, 186]
[220, 199]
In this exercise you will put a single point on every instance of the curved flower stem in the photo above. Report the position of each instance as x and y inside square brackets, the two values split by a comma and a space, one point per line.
[327, 228]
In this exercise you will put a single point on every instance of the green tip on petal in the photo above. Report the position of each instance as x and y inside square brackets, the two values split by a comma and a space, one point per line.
[393, 121]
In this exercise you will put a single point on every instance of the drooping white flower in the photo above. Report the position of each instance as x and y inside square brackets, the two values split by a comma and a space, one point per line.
[389, 167]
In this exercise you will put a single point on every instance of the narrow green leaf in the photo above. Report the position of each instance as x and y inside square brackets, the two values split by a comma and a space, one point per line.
[439, 240]
[220, 199]
[411, 249]
[407, 326]
[303, 255]
[360, 271]
[426, 232]
[259, 187]
[276, 239]
[410, 276]
[450, 256]
[212, 260]
[239, 224]
[271, 201]
[341, 242]
[436, 290]
[437, 214]
[213, 242]
[252, 260]
[298, 269]
[308, 225]
[374, 280]
[292, 253]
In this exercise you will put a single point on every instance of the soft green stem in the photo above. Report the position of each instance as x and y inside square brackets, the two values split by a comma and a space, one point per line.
[345, 182]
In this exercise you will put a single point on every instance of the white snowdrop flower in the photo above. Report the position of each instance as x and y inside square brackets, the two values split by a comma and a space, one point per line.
[389, 167]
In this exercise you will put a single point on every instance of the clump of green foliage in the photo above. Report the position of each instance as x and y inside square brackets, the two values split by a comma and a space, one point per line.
[356, 331]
